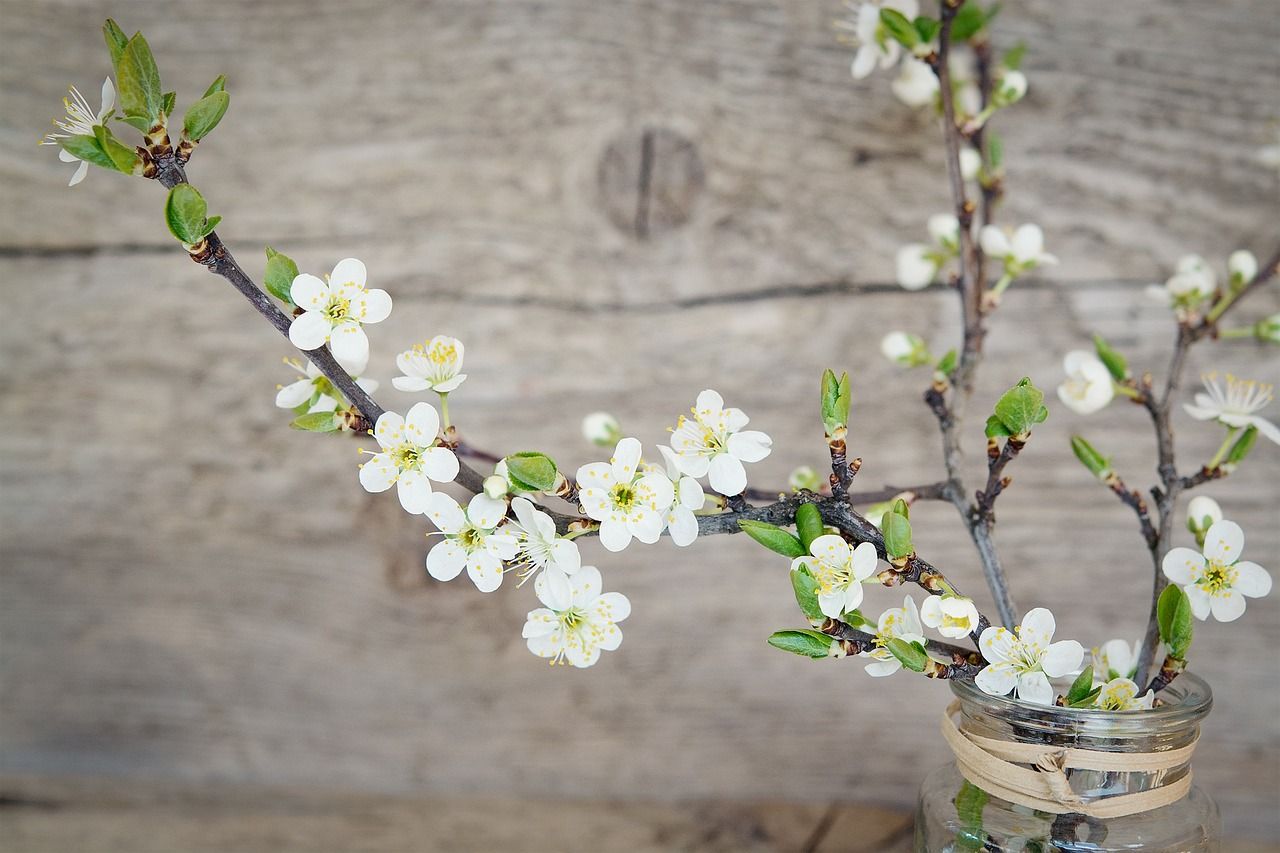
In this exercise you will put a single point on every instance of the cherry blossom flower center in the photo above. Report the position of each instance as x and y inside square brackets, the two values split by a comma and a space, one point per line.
[1218, 577]
[338, 309]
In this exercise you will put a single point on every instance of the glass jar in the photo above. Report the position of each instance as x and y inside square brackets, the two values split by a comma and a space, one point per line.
[982, 822]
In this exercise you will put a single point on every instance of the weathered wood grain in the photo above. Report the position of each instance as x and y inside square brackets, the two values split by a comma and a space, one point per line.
[192, 592]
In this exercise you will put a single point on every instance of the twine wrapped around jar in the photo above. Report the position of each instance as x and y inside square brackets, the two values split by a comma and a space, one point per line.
[997, 766]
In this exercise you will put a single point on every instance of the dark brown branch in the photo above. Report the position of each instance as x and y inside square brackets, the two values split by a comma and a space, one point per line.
[998, 458]
[964, 662]
[1133, 499]
[1169, 670]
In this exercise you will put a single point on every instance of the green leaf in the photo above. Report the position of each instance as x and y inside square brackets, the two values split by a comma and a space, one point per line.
[169, 102]
[531, 471]
[139, 81]
[810, 644]
[123, 158]
[1114, 361]
[995, 151]
[927, 28]
[1098, 465]
[947, 363]
[1241, 448]
[210, 224]
[88, 148]
[278, 279]
[996, 428]
[185, 211]
[970, 801]
[218, 85]
[1020, 408]
[117, 41]
[140, 123]
[968, 21]
[899, 28]
[1087, 700]
[805, 587]
[897, 535]
[1082, 686]
[317, 422]
[1012, 58]
[204, 115]
[855, 619]
[1173, 616]
[910, 654]
[774, 538]
[900, 507]
[836, 398]
[809, 524]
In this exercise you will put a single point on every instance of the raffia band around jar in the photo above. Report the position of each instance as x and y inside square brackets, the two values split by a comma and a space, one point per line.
[998, 767]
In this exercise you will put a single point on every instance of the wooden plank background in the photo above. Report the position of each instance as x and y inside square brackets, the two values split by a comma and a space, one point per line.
[192, 593]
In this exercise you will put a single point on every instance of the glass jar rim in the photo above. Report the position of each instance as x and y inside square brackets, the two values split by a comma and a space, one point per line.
[1186, 701]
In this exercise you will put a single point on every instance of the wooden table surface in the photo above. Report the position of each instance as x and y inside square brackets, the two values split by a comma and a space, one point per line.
[193, 595]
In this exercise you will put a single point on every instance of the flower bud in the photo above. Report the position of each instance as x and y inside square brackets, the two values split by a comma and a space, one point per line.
[1240, 449]
[905, 349]
[914, 268]
[1268, 329]
[970, 164]
[601, 428]
[1098, 465]
[1242, 266]
[495, 487]
[944, 228]
[805, 477]
[1011, 88]
[1202, 513]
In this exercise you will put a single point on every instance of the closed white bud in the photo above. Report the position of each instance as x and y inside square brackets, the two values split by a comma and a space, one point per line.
[905, 349]
[970, 164]
[1242, 266]
[1202, 513]
[601, 428]
[914, 267]
[495, 487]
[1011, 88]
[944, 228]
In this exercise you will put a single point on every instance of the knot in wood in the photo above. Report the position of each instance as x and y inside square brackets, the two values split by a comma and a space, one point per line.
[649, 181]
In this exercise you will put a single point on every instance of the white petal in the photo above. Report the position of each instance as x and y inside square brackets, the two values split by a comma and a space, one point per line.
[1227, 606]
[486, 512]
[881, 668]
[612, 637]
[378, 473]
[309, 330]
[864, 61]
[410, 383]
[1035, 688]
[596, 475]
[485, 570]
[565, 555]
[80, 172]
[1028, 242]
[690, 494]
[1062, 658]
[853, 597]
[547, 645]
[67, 157]
[295, 394]
[348, 342]
[374, 307]
[709, 404]
[626, 456]
[347, 272]
[997, 679]
[446, 560]
[614, 535]
[659, 489]
[750, 445]
[864, 560]
[646, 524]
[414, 490]
[831, 603]
[445, 513]
[931, 611]
[1182, 565]
[1253, 580]
[997, 645]
[450, 384]
[831, 548]
[994, 242]
[682, 524]
[440, 464]
[422, 424]
[727, 475]
[1037, 627]
[1265, 427]
[389, 430]
[586, 586]
[308, 292]
[553, 589]
[1224, 542]
[540, 623]
[1199, 601]
[109, 101]
[580, 655]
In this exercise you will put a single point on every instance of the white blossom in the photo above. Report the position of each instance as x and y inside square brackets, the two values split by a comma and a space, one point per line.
[1236, 405]
[1192, 282]
[970, 164]
[904, 349]
[314, 387]
[1121, 694]
[915, 85]
[1202, 513]
[1024, 660]
[1242, 266]
[682, 523]
[839, 571]
[714, 444]
[538, 546]
[577, 621]
[473, 539]
[1116, 659]
[875, 47]
[409, 457]
[901, 623]
[944, 228]
[1088, 387]
[80, 121]
[953, 615]
[601, 429]
[1010, 88]
[433, 366]
[1021, 250]
[1217, 580]
[916, 266]
[628, 500]
[335, 311]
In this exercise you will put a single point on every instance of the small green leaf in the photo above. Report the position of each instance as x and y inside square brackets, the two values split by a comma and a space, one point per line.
[996, 428]
[1241, 448]
[899, 28]
[1020, 408]
[927, 28]
[1012, 58]
[1087, 700]
[968, 21]
[210, 224]
[185, 211]
[204, 115]
[88, 148]
[910, 654]
[170, 101]
[1082, 686]
[531, 471]
[835, 400]
[970, 801]
[139, 81]
[995, 151]
[278, 279]
[1098, 465]
[809, 524]
[1174, 618]
[900, 507]
[810, 644]
[140, 123]
[219, 84]
[317, 422]
[897, 535]
[947, 363]
[774, 538]
[805, 587]
[1114, 361]
[123, 158]
[855, 619]
[116, 40]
